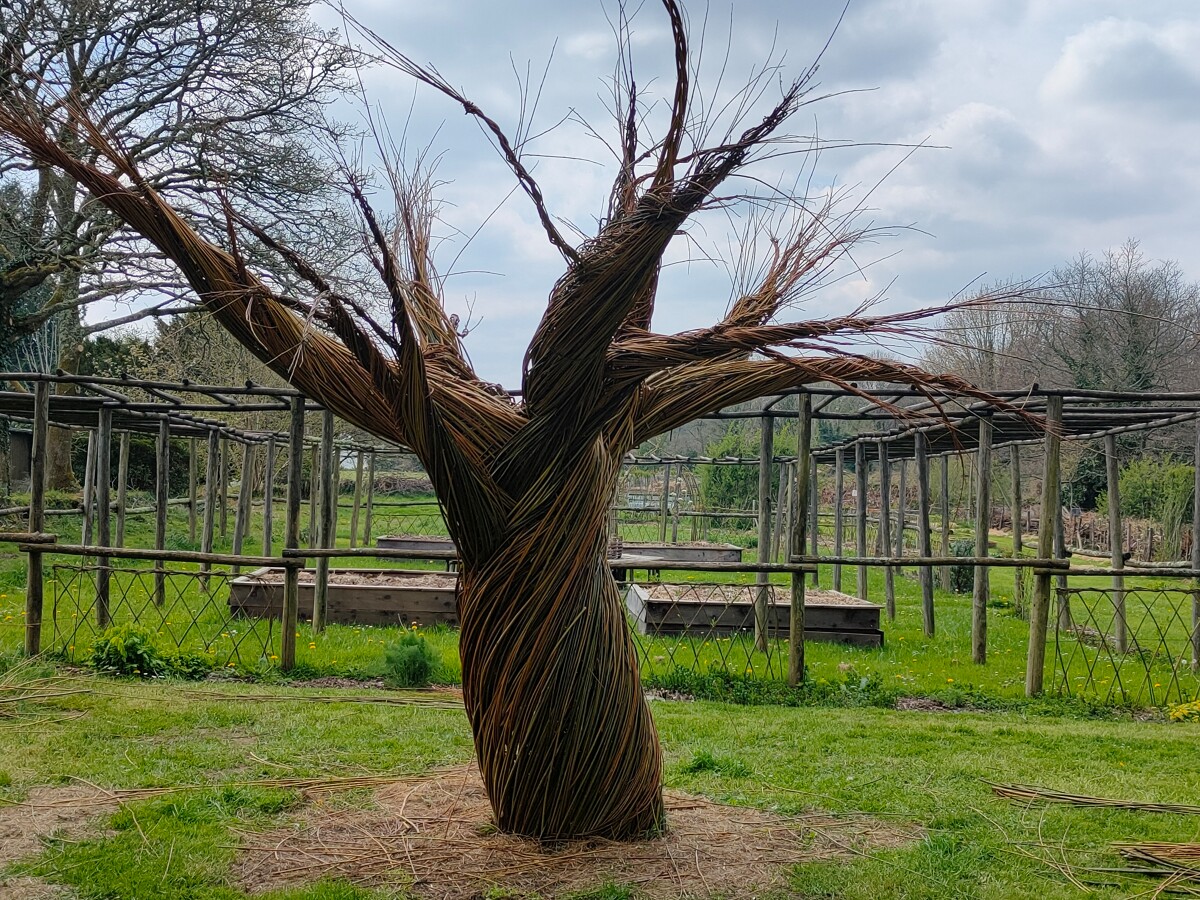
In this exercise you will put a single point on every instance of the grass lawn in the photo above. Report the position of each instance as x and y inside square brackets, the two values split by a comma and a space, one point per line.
[923, 769]
[919, 769]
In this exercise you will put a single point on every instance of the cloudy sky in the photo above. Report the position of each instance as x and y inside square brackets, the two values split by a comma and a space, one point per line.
[1055, 127]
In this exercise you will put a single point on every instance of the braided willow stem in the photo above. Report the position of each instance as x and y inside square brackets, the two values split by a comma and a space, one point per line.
[564, 736]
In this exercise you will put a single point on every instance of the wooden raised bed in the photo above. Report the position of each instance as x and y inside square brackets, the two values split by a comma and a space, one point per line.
[695, 551]
[356, 596]
[722, 610]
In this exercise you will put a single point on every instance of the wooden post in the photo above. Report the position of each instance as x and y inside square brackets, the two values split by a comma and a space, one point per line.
[89, 490]
[924, 538]
[314, 491]
[103, 485]
[1017, 503]
[762, 600]
[860, 514]
[34, 585]
[193, 466]
[800, 489]
[366, 537]
[981, 592]
[813, 516]
[664, 504]
[327, 522]
[695, 523]
[162, 493]
[944, 571]
[1039, 610]
[224, 498]
[358, 484]
[885, 528]
[291, 536]
[268, 530]
[780, 505]
[212, 477]
[676, 494]
[839, 476]
[1195, 556]
[1116, 550]
[902, 508]
[122, 486]
[1060, 552]
[241, 521]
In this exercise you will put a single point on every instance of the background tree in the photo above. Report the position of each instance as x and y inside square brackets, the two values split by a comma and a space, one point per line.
[212, 98]
[564, 737]
[1123, 322]
[995, 345]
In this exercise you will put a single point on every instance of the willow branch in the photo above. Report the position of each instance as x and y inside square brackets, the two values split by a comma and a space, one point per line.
[694, 390]
[434, 80]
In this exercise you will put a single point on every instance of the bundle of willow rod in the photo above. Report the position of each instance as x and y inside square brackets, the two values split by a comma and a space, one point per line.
[1032, 795]
[1185, 857]
[564, 737]
[21, 691]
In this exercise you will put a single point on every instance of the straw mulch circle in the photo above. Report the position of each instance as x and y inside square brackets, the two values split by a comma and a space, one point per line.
[434, 836]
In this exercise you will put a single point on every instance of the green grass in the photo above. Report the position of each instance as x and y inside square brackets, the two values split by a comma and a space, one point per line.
[922, 770]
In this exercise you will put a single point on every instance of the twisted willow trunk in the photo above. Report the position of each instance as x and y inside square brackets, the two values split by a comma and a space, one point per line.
[563, 733]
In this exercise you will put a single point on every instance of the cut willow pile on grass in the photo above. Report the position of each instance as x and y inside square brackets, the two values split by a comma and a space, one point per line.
[25, 695]
[1032, 796]
[563, 734]
[1174, 868]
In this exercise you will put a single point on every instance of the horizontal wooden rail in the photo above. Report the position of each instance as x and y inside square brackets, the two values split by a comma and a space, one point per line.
[381, 553]
[1127, 573]
[627, 562]
[27, 537]
[219, 559]
[1058, 566]
[675, 565]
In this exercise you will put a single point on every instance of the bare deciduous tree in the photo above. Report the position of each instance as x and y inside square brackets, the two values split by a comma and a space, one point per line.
[1123, 322]
[209, 96]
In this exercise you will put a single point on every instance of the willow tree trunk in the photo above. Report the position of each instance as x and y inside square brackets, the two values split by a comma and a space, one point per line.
[564, 736]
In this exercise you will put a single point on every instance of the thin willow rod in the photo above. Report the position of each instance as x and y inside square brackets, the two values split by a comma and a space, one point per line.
[1031, 795]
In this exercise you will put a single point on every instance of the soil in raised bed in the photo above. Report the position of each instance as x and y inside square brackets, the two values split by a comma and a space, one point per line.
[733, 593]
[370, 578]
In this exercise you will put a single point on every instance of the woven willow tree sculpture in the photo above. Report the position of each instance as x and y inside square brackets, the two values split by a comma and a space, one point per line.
[565, 740]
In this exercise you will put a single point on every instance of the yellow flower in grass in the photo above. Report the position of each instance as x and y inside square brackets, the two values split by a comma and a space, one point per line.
[312, 645]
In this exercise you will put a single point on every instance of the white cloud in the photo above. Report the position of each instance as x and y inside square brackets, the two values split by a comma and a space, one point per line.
[1131, 68]
[1070, 125]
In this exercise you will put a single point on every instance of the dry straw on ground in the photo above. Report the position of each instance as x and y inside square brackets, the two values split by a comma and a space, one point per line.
[434, 835]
